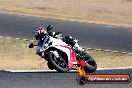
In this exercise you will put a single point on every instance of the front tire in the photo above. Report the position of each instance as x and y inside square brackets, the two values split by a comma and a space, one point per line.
[59, 64]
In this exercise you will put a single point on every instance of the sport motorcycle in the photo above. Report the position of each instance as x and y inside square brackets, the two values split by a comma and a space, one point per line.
[63, 57]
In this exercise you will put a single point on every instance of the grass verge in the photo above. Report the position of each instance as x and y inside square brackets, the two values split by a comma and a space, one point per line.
[15, 55]
[115, 12]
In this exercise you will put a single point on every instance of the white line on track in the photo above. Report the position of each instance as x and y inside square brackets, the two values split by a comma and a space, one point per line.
[31, 70]
[70, 71]
[114, 68]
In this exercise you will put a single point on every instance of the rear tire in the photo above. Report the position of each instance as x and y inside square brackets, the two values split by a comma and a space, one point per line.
[91, 66]
[57, 65]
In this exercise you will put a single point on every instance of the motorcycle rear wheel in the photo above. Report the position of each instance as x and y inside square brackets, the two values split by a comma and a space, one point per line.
[91, 66]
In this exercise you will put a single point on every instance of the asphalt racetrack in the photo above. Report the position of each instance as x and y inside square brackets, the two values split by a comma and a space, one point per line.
[90, 35]
[56, 80]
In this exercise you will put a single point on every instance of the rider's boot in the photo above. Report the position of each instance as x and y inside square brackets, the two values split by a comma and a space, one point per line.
[42, 55]
[43, 50]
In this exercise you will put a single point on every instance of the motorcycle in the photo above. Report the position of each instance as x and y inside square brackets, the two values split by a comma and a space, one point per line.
[63, 57]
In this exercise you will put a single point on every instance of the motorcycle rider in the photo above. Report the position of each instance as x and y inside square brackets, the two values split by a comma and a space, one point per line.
[41, 35]
[73, 42]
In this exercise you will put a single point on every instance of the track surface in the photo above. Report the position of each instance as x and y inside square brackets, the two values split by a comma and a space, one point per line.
[90, 35]
[55, 80]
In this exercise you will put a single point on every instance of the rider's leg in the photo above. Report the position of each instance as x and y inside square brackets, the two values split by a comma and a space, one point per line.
[45, 40]
[41, 46]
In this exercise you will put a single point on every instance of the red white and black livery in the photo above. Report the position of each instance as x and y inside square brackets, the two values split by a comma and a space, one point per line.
[63, 57]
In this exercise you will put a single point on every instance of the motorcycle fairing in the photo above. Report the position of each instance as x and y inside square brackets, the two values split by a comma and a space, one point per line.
[59, 44]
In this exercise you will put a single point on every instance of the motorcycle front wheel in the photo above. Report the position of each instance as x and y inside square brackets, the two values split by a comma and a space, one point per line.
[59, 63]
